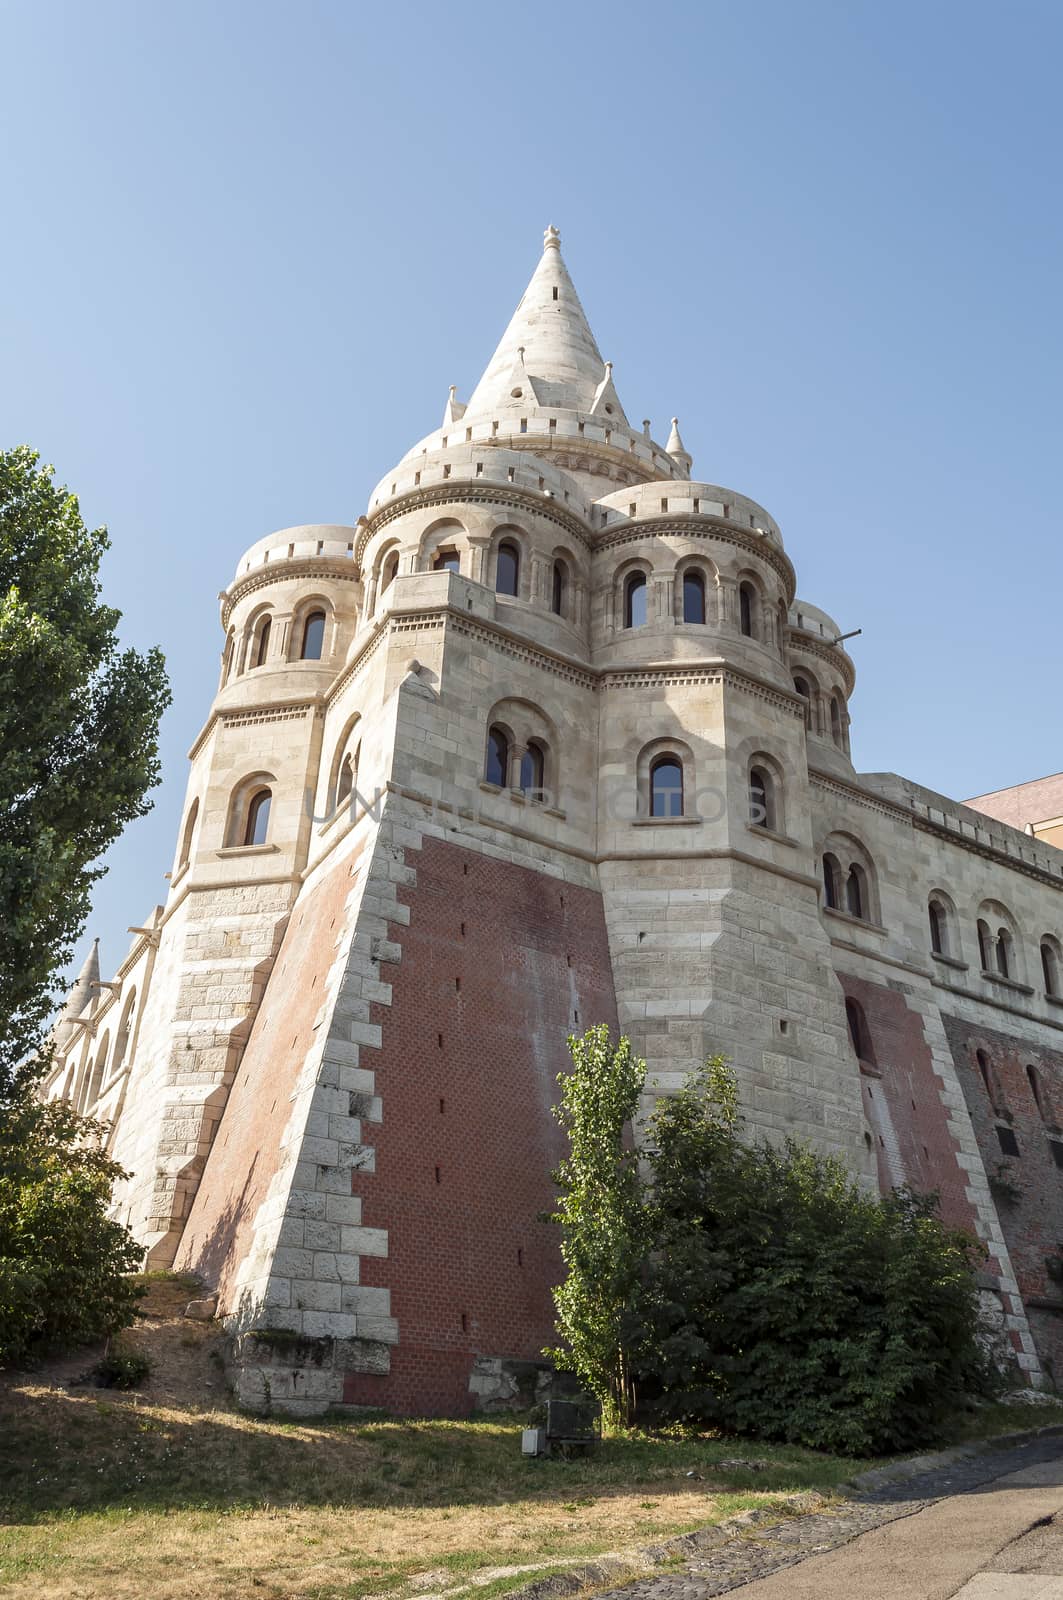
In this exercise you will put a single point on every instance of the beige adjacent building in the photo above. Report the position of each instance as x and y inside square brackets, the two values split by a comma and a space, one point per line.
[545, 738]
[1035, 807]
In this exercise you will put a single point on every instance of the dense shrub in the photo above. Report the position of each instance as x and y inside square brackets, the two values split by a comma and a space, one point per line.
[782, 1301]
[63, 1262]
[774, 1298]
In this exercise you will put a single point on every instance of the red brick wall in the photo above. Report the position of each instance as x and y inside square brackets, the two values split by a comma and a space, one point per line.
[902, 1100]
[1033, 1222]
[500, 963]
[246, 1148]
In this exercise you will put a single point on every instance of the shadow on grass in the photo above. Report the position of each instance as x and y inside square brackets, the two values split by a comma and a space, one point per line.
[94, 1452]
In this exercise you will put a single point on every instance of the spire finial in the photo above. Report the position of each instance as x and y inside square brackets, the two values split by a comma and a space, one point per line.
[551, 239]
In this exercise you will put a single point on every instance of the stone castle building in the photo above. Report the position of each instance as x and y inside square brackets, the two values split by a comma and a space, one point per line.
[546, 739]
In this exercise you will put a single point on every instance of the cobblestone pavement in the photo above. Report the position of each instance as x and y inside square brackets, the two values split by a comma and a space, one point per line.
[721, 1561]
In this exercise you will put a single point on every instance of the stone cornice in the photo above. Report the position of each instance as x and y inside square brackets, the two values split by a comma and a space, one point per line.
[988, 852]
[478, 492]
[798, 639]
[280, 571]
[244, 716]
[853, 792]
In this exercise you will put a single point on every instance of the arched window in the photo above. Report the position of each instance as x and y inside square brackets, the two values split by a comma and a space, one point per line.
[125, 1028]
[260, 643]
[94, 1079]
[313, 637]
[693, 597]
[859, 1035]
[507, 569]
[227, 658]
[837, 725]
[856, 892]
[560, 585]
[1050, 968]
[188, 835]
[761, 798]
[635, 600]
[257, 825]
[497, 767]
[390, 572]
[666, 787]
[831, 879]
[938, 928]
[450, 561]
[990, 1082]
[747, 609]
[1003, 950]
[1033, 1079]
[985, 945]
[532, 770]
[347, 776]
[804, 689]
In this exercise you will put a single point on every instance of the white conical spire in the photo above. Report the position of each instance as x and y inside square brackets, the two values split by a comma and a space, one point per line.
[678, 450]
[561, 365]
[85, 989]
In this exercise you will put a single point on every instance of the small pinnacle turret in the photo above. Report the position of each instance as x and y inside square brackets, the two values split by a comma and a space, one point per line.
[678, 450]
[81, 997]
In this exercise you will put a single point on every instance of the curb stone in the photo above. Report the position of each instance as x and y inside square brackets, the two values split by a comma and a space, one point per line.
[729, 1554]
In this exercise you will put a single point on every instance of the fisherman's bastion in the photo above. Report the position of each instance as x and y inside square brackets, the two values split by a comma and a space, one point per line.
[547, 739]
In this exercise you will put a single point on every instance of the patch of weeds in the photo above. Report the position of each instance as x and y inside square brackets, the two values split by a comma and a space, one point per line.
[120, 1369]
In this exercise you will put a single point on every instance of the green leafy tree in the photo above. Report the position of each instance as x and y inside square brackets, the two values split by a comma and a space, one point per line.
[78, 743]
[602, 1217]
[64, 1264]
[780, 1300]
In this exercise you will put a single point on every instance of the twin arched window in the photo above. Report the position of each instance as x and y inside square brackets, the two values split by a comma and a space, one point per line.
[848, 891]
[1050, 967]
[635, 598]
[531, 777]
[507, 569]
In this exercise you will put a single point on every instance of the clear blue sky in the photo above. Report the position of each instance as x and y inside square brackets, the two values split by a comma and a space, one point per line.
[247, 247]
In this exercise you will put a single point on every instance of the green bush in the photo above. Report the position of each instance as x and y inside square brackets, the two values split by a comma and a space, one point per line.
[63, 1262]
[780, 1300]
[120, 1369]
[748, 1287]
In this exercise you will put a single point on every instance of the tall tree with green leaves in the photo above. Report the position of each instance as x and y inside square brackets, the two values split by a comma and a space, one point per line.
[79, 722]
[602, 1216]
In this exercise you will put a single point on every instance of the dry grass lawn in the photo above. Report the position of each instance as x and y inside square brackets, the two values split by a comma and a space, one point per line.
[173, 1494]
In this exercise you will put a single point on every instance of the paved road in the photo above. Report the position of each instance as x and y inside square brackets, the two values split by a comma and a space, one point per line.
[983, 1527]
[1001, 1541]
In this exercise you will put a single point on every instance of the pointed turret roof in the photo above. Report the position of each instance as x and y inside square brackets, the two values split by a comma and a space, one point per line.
[82, 995]
[548, 352]
[678, 450]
